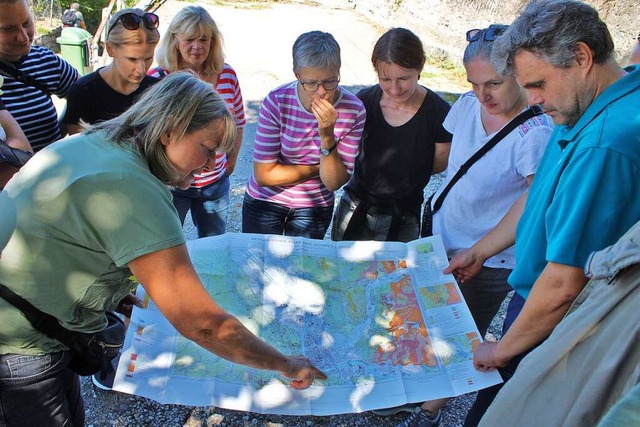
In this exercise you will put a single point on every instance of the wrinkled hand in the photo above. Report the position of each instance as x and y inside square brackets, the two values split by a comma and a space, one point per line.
[485, 357]
[464, 265]
[301, 372]
[325, 114]
[125, 306]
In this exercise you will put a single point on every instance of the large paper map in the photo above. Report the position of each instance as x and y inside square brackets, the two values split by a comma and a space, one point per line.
[379, 318]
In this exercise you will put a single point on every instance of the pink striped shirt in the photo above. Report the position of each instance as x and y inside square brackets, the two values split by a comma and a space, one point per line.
[229, 89]
[288, 134]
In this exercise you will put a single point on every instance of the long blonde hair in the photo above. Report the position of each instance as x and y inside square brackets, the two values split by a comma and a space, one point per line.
[191, 22]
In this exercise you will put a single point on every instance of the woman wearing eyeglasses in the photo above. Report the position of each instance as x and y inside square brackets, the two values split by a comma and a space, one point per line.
[482, 209]
[194, 42]
[108, 92]
[306, 144]
[404, 143]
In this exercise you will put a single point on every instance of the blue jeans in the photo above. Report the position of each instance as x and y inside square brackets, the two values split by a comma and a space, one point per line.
[263, 217]
[39, 391]
[209, 206]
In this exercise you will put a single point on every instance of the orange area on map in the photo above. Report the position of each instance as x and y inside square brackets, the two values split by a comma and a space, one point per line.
[473, 340]
[389, 266]
[454, 296]
[410, 344]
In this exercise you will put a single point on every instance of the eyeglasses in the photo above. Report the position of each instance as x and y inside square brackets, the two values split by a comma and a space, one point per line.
[313, 86]
[490, 34]
[132, 21]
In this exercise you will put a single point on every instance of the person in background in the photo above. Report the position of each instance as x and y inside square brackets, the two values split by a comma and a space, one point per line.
[72, 17]
[403, 144]
[306, 144]
[31, 105]
[194, 42]
[586, 193]
[492, 192]
[107, 214]
[106, 93]
[634, 58]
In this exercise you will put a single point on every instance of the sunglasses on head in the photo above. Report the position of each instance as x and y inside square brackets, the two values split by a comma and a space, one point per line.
[489, 34]
[132, 21]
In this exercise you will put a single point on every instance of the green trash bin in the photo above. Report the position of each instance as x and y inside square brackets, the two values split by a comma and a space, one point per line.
[74, 48]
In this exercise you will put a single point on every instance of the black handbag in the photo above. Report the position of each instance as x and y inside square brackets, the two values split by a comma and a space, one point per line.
[92, 353]
[429, 210]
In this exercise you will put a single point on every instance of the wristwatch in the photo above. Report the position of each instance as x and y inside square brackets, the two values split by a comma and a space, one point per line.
[326, 151]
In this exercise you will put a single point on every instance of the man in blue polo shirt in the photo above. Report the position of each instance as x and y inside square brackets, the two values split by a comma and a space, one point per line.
[586, 193]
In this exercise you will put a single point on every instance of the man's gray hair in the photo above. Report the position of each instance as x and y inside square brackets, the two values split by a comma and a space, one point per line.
[551, 30]
[179, 104]
[316, 49]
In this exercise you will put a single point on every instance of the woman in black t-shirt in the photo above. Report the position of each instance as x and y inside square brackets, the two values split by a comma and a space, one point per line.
[403, 144]
[111, 90]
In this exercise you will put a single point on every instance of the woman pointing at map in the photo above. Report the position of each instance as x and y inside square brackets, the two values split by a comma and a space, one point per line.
[86, 213]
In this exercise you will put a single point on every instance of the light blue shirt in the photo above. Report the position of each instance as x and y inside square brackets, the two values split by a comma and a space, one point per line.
[586, 193]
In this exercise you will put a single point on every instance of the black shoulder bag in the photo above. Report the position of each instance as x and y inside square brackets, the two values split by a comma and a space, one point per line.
[428, 211]
[92, 353]
[10, 70]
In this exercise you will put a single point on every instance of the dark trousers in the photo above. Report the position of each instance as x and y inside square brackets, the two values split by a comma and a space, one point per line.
[39, 391]
[485, 397]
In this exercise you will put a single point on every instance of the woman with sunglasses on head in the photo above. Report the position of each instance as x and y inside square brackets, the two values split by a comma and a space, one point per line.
[108, 92]
[477, 218]
[194, 42]
[306, 144]
[403, 144]
[91, 210]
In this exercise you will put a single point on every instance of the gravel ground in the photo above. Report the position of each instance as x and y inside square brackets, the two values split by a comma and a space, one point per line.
[246, 48]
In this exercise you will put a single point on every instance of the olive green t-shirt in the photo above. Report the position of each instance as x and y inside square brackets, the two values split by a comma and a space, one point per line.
[72, 219]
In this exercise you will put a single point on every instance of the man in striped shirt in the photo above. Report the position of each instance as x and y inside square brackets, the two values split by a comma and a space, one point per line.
[32, 107]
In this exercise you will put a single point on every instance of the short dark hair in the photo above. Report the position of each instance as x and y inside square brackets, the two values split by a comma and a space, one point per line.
[401, 47]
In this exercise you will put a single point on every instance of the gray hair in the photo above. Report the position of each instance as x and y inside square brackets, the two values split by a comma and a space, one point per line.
[481, 47]
[551, 30]
[316, 49]
[179, 104]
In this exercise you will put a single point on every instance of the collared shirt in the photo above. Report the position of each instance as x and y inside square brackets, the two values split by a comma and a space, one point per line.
[586, 193]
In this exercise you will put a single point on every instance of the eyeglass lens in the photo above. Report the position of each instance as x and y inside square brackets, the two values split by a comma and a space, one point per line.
[313, 86]
[131, 21]
[490, 34]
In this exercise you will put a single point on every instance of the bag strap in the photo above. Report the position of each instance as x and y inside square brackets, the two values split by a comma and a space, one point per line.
[42, 322]
[10, 70]
[506, 130]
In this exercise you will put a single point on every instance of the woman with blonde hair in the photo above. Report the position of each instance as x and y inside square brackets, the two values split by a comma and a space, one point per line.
[106, 93]
[194, 42]
[106, 214]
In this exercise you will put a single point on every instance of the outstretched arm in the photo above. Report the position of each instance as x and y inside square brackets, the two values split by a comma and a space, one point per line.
[171, 281]
[466, 264]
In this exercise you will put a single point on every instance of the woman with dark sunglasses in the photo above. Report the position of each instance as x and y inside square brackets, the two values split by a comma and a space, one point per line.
[483, 207]
[194, 42]
[108, 92]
